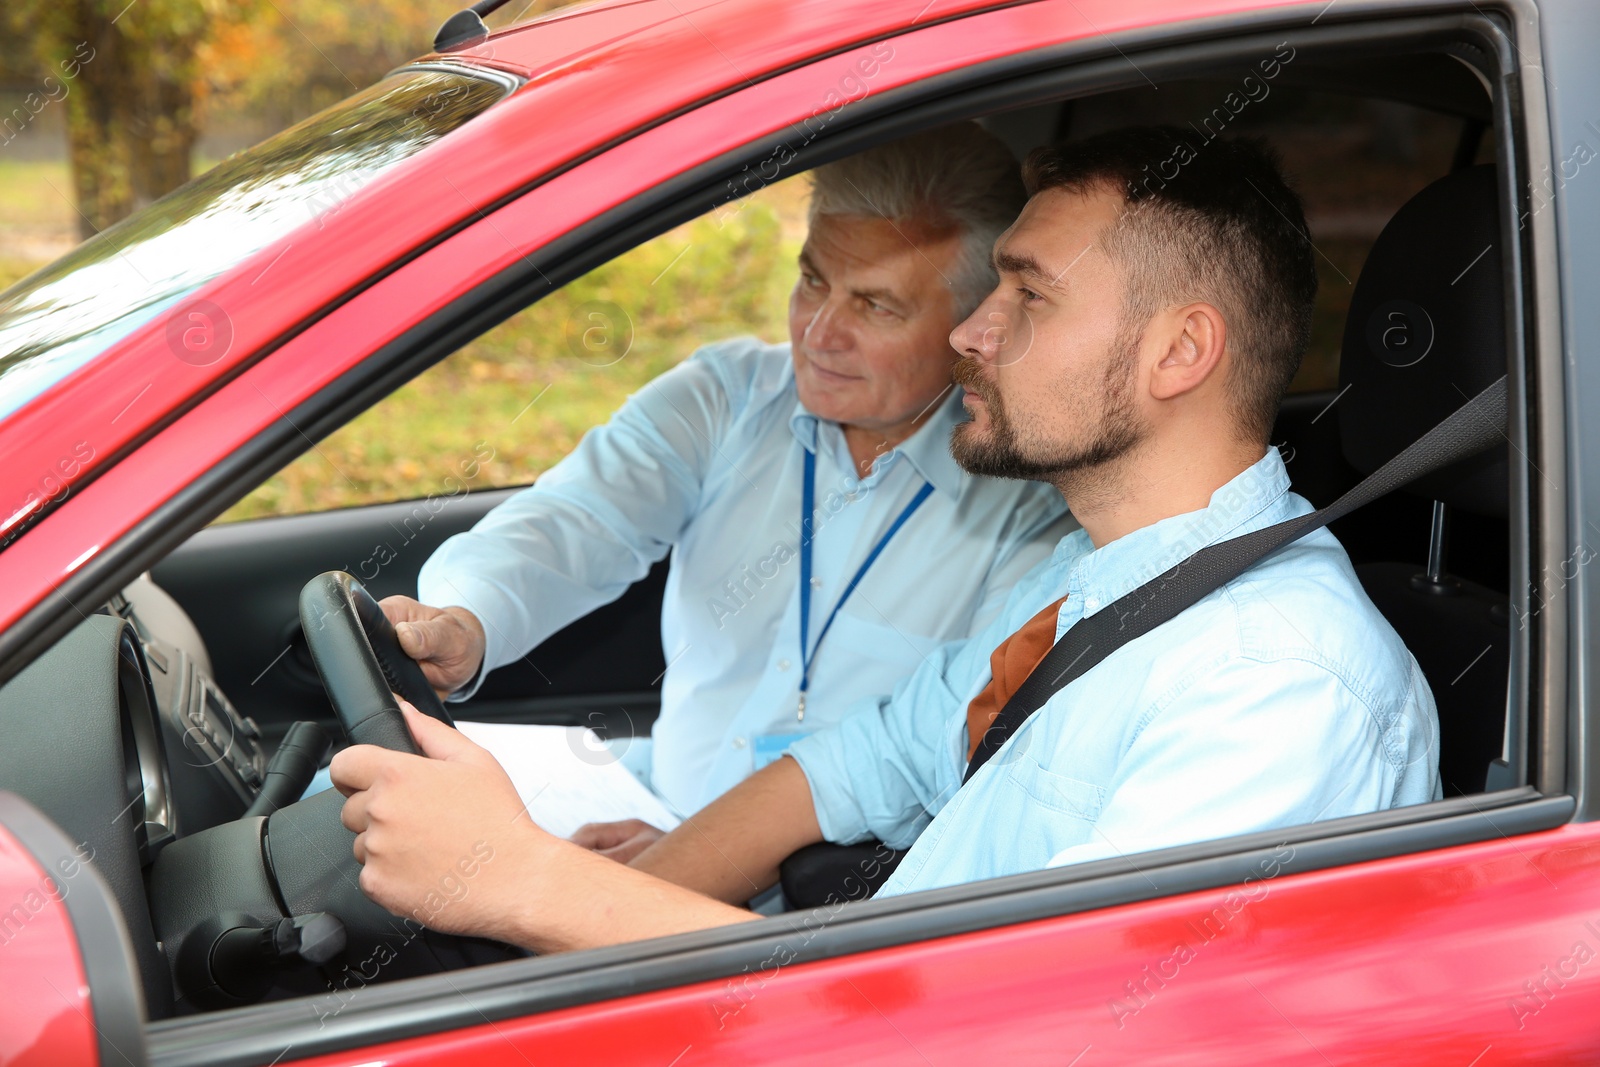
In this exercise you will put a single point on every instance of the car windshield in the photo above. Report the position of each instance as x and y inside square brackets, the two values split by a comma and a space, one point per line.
[63, 316]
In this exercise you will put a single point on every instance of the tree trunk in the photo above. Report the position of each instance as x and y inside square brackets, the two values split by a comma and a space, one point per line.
[96, 113]
[130, 107]
[162, 127]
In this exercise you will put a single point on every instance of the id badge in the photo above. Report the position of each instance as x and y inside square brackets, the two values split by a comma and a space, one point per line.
[768, 747]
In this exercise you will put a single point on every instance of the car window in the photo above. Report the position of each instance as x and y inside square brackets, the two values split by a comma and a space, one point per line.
[63, 316]
[566, 363]
[1353, 161]
[507, 406]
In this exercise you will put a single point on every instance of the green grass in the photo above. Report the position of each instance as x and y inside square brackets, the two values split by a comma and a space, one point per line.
[14, 270]
[529, 388]
[36, 196]
[37, 220]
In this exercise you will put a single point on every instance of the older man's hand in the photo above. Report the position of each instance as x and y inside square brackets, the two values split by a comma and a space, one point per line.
[448, 643]
[620, 841]
[442, 837]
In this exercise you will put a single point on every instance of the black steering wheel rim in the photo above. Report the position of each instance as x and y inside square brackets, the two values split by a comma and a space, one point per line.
[361, 663]
[310, 860]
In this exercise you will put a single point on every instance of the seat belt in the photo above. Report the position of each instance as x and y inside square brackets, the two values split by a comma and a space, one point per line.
[1474, 427]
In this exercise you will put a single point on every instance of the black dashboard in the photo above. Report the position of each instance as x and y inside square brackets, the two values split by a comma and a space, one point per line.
[230, 893]
[216, 759]
[122, 716]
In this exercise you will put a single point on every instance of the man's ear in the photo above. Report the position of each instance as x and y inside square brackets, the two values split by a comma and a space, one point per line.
[1198, 337]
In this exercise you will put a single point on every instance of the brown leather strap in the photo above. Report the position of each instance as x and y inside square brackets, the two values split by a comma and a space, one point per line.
[1009, 664]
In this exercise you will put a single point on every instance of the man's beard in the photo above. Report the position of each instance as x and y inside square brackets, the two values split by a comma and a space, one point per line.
[1001, 454]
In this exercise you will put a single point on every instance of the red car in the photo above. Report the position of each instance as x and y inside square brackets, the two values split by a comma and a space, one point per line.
[164, 369]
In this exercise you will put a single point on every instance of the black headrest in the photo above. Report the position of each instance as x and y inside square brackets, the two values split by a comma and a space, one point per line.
[1426, 332]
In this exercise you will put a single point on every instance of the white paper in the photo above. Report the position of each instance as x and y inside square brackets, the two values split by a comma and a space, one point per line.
[567, 776]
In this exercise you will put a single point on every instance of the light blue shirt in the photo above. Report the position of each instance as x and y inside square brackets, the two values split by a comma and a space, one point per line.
[1282, 698]
[706, 461]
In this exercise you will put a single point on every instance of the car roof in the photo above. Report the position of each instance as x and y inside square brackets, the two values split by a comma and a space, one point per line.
[753, 38]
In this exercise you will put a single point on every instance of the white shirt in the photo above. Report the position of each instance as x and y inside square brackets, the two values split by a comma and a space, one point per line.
[705, 462]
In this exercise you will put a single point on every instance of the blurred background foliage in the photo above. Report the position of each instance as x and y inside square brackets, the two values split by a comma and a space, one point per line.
[530, 387]
[129, 85]
[138, 81]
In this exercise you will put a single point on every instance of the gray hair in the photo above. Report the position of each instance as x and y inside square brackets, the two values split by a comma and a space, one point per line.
[959, 175]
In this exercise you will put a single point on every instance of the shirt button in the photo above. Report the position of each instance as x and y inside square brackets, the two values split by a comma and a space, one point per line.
[816, 583]
[783, 664]
[738, 742]
[1091, 603]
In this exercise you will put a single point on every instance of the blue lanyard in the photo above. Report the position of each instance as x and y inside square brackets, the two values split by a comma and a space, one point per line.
[808, 497]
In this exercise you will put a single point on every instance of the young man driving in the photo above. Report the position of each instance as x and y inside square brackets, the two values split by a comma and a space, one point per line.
[1134, 355]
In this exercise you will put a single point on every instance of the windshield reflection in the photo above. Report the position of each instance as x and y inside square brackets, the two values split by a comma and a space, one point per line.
[61, 317]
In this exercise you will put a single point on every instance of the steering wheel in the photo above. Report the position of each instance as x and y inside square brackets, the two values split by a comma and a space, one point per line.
[362, 666]
[361, 663]
[239, 879]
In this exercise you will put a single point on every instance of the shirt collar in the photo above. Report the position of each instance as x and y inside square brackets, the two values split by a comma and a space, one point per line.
[928, 450]
[1255, 498]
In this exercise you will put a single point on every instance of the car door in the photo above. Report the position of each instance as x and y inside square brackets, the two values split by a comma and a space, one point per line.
[1442, 934]
[61, 925]
[1437, 934]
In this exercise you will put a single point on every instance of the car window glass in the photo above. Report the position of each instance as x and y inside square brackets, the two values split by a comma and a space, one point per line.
[63, 316]
[1353, 161]
[524, 392]
[507, 406]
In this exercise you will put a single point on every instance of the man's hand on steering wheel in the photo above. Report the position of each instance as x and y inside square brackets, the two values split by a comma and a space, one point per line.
[448, 643]
[441, 837]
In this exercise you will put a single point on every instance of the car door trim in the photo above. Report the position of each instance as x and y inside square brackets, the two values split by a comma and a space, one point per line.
[256, 1036]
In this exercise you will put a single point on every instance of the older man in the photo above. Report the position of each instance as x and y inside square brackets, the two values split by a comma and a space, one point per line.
[1165, 321]
[823, 540]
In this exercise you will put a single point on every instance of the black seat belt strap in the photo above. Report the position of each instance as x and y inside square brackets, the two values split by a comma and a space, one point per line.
[1474, 427]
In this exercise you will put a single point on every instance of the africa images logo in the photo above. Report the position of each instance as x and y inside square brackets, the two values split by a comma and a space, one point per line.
[199, 333]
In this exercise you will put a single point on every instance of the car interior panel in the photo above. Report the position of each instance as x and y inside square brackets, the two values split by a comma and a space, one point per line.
[240, 582]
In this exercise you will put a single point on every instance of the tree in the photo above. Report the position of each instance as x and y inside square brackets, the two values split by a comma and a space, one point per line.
[301, 56]
[128, 74]
[138, 77]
